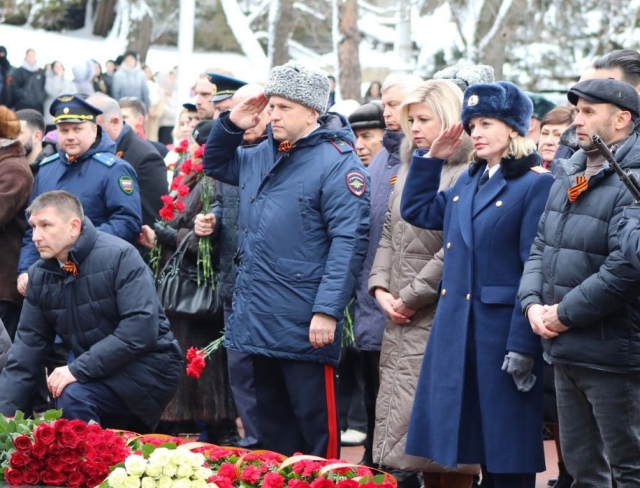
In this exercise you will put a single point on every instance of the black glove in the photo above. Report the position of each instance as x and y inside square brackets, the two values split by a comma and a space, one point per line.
[519, 366]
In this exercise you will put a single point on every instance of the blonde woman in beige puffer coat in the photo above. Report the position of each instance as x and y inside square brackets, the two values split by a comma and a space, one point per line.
[404, 279]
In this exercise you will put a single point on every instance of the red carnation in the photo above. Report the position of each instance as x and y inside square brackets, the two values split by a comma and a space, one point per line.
[196, 367]
[18, 460]
[45, 434]
[186, 167]
[347, 484]
[166, 213]
[179, 206]
[220, 481]
[167, 199]
[183, 190]
[22, 443]
[31, 477]
[192, 352]
[199, 153]
[13, 476]
[250, 474]
[182, 147]
[176, 182]
[227, 470]
[197, 168]
[295, 483]
[273, 480]
[322, 483]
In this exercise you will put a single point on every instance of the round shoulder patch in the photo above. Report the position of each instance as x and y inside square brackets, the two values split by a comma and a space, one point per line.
[356, 182]
[126, 184]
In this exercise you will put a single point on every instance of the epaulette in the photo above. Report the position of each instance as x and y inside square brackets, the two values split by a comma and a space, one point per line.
[341, 145]
[50, 159]
[105, 158]
[540, 170]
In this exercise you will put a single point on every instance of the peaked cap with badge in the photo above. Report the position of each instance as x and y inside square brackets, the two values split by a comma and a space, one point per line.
[73, 109]
[226, 86]
[501, 100]
[299, 84]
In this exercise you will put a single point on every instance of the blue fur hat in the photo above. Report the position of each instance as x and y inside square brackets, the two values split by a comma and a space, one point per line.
[501, 100]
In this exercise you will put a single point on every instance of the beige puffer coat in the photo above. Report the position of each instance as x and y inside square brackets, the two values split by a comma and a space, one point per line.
[408, 264]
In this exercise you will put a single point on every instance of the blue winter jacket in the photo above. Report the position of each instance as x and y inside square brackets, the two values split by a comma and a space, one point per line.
[303, 231]
[106, 185]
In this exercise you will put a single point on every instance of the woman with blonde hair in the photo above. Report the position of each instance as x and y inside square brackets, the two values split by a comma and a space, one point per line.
[404, 279]
[479, 396]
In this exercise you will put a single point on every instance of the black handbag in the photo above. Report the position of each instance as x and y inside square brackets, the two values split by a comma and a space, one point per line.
[178, 288]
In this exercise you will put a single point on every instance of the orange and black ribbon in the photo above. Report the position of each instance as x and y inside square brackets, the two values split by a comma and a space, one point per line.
[71, 268]
[285, 146]
[581, 185]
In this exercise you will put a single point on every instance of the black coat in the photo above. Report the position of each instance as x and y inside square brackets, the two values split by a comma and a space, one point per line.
[27, 89]
[151, 170]
[576, 262]
[228, 197]
[108, 316]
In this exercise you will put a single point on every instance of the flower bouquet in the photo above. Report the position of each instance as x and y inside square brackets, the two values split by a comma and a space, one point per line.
[161, 467]
[57, 452]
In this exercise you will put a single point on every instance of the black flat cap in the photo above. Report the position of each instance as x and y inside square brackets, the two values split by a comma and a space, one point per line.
[608, 90]
[368, 116]
[201, 131]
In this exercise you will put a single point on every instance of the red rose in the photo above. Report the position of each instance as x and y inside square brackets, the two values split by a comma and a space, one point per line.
[53, 464]
[18, 460]
[22, 443]
[273, 480]
[295, 483]
[94, 429]
[35, 464]
[31, 477]
[69, 439]
[53, 478]
[322, 483]
[250, 474]
[69, 457]
[45, 434]
[38, 451]
[54, 450]
[13, 476]
[61, 425]
[75, 480]
[79, 428]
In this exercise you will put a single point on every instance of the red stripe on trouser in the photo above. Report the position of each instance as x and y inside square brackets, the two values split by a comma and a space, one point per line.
[332, 414]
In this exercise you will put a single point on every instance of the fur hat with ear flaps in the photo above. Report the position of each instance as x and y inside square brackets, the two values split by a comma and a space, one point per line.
[501, 100]
[9, 123]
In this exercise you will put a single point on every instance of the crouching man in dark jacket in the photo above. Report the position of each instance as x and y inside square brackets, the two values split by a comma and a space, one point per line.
[95, 292]
[582, 296]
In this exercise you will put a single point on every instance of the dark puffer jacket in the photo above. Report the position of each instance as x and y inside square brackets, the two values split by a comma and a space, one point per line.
[228, 196]
[576, 262]
[108, 316]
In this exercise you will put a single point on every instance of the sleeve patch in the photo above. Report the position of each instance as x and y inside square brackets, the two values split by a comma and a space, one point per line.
[356, 182]
[126, 184]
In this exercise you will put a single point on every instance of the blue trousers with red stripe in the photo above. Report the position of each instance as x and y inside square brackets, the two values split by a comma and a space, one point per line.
[297, 410]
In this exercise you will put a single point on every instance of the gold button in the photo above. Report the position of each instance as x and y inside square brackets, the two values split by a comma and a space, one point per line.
[499, 203]
[448, 245]
[443, 292]
[456, 198]
[468, 296]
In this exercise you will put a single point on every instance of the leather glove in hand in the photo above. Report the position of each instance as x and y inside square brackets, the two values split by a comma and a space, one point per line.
[519, 366]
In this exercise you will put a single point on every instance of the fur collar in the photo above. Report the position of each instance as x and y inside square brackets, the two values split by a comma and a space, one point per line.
[511, 167]
[14, 150]
[461, 156]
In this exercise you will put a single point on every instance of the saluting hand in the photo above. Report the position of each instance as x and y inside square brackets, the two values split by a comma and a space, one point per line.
[446, 143]
[247, 114]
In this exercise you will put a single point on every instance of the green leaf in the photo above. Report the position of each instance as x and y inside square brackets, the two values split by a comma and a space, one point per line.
[18, 416]
[13, 427]
[51, 415]
[147, 449]
[169, 445]
[378, 479]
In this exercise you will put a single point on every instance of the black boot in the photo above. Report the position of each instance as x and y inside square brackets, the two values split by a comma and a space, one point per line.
[224, 433]
[564, 479]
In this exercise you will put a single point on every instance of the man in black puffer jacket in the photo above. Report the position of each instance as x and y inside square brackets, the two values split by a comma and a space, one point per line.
[96, 293]
[582, 296]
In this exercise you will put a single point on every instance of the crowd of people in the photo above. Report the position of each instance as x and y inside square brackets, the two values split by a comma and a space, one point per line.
[481, 247]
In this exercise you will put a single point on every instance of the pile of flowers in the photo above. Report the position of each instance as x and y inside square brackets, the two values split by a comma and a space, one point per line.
[57, 452]
[161, 467]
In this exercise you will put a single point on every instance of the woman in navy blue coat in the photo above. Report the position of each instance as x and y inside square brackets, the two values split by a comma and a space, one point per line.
[479, 396]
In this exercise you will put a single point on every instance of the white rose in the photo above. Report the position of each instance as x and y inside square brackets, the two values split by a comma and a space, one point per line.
[164, 482]
[184, 471]
[169, 470]
[196, 460]
[135, 465]
[199, 484]
[132, 482]
[117, 478]
[179, 456]
[148, 482]
[154, 470]
[203, 473]
[181, 483]
[161, 456]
